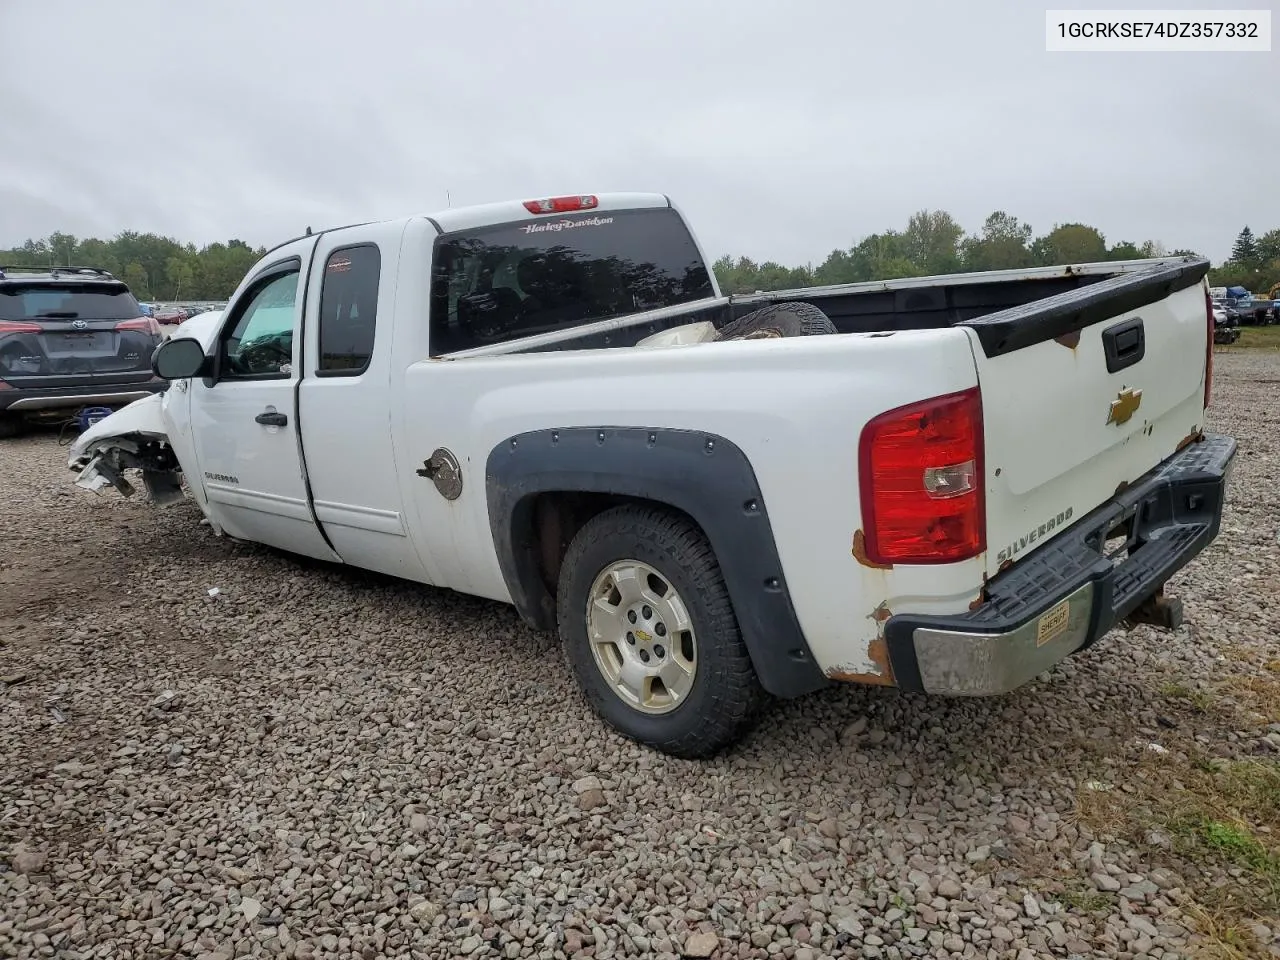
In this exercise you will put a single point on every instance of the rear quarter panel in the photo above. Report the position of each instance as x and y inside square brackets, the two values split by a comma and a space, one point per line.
[795, 407]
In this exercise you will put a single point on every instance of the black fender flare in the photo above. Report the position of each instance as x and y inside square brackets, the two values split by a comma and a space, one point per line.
[700, 474]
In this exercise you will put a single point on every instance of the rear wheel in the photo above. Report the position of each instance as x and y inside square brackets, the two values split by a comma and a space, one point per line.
[779, 320]
[649, 631]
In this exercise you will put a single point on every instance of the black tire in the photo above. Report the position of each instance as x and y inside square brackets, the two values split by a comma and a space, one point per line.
[779, 320]
[725, 695]
[10, 426]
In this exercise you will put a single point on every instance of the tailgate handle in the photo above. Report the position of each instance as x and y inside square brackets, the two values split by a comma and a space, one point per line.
[1124, 343]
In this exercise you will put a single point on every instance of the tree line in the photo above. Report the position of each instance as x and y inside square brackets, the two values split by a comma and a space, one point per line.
[934, 243]
[154, 267]
[161, 268]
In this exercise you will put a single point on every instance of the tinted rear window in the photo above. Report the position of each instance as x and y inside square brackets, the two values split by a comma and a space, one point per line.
[519, 279]
[348, 310]
[67, 301]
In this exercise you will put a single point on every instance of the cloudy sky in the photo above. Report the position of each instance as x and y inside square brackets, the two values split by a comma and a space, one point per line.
[784, 128]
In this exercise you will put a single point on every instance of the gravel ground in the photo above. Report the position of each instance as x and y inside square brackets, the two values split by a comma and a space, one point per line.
[322, 763]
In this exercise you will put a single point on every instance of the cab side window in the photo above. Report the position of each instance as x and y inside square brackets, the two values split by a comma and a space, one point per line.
[348, 310]
[259, 343]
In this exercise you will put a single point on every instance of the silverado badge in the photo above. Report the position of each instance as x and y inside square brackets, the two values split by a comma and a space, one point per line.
[1124, 406]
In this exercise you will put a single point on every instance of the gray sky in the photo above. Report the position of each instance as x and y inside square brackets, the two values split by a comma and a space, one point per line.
[783, 129]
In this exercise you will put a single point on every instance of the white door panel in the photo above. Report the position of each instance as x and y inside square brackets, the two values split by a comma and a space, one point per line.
[244, 421]
[345, 401]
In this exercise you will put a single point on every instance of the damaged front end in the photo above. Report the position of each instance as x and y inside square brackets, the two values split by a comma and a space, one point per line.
[132, 438]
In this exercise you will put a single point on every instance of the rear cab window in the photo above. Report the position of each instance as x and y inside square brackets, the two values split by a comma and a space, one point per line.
[500, 283]
[67, 301]
[348, 310]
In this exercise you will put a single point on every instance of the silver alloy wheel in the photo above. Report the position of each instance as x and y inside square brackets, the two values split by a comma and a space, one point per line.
[641, 637]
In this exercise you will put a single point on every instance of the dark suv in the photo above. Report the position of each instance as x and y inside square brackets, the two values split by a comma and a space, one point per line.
[70, 337]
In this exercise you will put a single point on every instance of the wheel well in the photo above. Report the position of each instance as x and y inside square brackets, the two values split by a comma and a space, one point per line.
[552, 519]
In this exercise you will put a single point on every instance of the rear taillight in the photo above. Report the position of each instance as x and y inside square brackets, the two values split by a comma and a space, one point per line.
[145, 324]
[561, 204]
[1208, 348]
[14, 326]
[922, 482]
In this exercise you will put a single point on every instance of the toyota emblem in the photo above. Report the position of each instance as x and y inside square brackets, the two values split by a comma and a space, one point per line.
[79, 324]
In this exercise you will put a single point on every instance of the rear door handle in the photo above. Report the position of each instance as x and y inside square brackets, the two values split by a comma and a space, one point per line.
[271, 419]
[1124, 344]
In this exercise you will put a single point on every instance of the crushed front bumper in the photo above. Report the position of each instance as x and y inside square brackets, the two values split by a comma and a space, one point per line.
[1069, 593]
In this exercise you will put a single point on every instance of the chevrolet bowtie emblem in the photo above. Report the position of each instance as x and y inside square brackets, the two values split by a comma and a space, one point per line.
[1124, 406]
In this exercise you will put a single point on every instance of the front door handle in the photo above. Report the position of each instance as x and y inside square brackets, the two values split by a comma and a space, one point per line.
[272, 419]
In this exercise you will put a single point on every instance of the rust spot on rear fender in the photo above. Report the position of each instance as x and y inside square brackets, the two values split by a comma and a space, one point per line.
[1121, 488]
[979, 600]
[1069, 340]
[1195, 436]
[860, 552]
[878, 653]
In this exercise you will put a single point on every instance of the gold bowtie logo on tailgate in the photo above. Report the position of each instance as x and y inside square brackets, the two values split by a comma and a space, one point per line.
[1124, 406]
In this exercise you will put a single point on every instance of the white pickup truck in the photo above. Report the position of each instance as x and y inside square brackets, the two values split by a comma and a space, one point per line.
[945, 484]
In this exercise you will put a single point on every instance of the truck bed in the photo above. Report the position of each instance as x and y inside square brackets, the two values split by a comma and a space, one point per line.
[891, 306]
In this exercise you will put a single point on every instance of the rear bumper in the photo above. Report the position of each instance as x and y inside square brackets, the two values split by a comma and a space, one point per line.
[1067, 594]
[33, 399]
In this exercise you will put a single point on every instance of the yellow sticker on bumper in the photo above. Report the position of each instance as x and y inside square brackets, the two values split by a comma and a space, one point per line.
[1053, 623]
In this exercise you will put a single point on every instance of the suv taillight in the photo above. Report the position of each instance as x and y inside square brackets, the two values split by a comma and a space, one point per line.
[922, 486]
[14, 326]
[1208, 348]
[145, 324]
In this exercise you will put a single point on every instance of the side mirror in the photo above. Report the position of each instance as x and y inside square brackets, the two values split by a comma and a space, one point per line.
[179, 359]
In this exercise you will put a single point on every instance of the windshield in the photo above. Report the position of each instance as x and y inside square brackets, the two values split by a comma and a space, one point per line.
[515, 280]
[69, 301]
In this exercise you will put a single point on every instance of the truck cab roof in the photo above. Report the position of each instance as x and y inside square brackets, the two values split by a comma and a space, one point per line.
[453, 219]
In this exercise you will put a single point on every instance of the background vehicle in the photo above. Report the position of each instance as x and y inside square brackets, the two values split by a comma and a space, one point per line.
[70, 337]
[1248, 308]
[947, 484]
[169, 315]
[1226, 326]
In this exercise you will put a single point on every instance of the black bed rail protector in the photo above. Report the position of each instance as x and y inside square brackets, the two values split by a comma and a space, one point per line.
[1041, 320]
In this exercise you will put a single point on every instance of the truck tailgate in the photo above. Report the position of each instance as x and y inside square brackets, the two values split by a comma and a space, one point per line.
[1084, 392]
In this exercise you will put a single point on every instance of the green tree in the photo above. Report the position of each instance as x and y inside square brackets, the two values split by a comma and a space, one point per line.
[1002, 244]
[1070, 243]
[837, 268]
[1125, 251]
[736, 276]
[179, 277]
[135, 275]
[884, 256]
[1269, 250]
[1245, 250]
[62, 250]
[932, 242]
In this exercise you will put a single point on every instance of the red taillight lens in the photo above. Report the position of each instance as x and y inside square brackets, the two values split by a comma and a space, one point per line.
[1208, 348]
[561, 204]
[146, 324]
[921, 469]
[13, 326]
